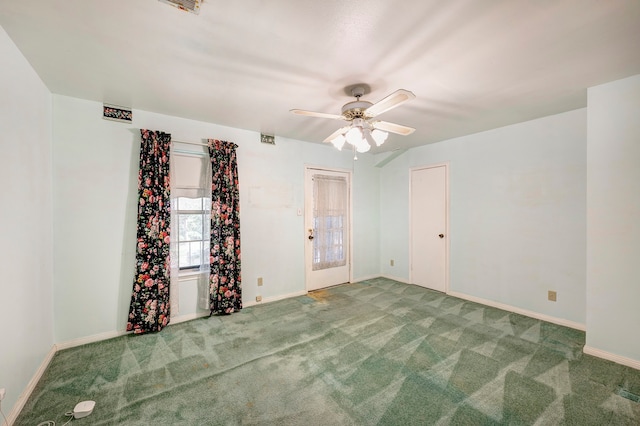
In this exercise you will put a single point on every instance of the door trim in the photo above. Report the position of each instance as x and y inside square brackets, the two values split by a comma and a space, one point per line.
[446, 220]
[308, 169]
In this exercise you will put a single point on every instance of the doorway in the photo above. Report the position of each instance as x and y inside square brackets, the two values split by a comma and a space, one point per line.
[429, 246]
[327, 227]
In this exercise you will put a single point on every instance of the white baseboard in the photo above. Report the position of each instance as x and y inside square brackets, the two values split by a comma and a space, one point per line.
[516, 310]
[399, 279]
[618, 359]
[184, 318]
[274, 298]
[26, 393]
[177, 320]
[112, 334]
[365, 278]
[89, 339]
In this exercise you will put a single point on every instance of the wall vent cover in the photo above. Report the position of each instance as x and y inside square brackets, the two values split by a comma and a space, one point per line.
[268, 139]
[192, 6]
[117, 113]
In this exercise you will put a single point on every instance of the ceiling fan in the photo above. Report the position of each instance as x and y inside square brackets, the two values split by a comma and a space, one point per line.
[364, 130]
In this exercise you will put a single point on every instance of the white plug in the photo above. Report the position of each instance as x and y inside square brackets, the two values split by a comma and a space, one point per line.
[3, 391]
[83, 409]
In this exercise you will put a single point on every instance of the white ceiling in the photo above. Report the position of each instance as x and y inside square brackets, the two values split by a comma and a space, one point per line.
[473, 65]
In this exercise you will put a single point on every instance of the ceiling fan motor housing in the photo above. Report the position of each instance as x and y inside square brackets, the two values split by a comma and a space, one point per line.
[355, 109]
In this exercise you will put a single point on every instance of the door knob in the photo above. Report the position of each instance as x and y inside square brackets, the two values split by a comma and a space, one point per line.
[311, 237]
[441, 235]
[310, 234]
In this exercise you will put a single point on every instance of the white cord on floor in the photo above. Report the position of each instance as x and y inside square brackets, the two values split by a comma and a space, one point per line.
[71, 418]
[52, 423]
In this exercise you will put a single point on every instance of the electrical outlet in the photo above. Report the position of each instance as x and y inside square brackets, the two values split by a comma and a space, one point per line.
[391, 262]
[3, 391]
[258, 298]
[259, 281]
[552, 296]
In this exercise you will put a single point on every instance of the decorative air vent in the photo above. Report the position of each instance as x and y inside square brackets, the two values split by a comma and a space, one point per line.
[269, 139]
[192, 6]
[116, 113]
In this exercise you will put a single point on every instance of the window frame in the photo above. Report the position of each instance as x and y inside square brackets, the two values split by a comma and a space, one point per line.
[186, 270]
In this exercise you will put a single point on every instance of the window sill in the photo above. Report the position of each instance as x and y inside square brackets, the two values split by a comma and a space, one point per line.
[188, 275]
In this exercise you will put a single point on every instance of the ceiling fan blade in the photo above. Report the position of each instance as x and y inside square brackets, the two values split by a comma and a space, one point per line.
[395, 99]
[393, 128]
[336, 133]
[317, 114]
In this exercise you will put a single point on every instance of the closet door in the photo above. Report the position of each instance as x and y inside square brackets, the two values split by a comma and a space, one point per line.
[428, 227]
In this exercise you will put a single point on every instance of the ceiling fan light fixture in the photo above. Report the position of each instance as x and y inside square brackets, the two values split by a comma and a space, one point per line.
[362, 146]
[369, 138]
[339, 142]
[379, 136]
[354, 135]
[361, 135]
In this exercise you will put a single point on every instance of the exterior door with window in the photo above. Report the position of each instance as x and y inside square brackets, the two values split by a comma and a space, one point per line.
[327, 227]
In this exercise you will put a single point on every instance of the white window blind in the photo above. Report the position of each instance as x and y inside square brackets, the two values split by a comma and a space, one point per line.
[330, 210]
[189, 176]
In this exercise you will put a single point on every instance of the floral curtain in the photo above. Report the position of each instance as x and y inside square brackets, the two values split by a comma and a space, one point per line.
[225, 293]
[149, 309]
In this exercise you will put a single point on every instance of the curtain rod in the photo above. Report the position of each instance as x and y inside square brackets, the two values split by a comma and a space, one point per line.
[190, 143]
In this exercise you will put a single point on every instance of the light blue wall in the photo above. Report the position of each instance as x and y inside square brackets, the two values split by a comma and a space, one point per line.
[95, 197]
[518, 216]
[613, 218]
[517, 213]
[26, 287]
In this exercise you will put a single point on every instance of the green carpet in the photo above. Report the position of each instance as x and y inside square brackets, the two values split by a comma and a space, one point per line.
[374, 352]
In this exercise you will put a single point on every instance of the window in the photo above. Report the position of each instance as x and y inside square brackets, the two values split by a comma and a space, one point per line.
[329, 227]
[191, 211]
[193, 232]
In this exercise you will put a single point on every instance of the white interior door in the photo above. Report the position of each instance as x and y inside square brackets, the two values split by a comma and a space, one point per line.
[428, 228]
[327, 227]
